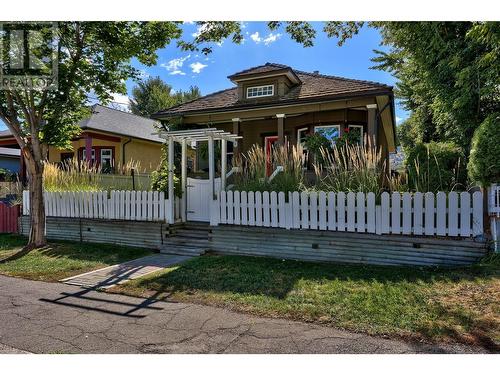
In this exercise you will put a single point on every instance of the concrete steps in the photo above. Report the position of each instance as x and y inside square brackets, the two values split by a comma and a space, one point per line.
[192, 239]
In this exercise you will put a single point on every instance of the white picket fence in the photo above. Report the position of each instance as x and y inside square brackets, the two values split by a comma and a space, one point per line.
[121, 205]
[429, 214]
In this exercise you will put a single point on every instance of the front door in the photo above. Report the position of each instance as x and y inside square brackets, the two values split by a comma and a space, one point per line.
[198, 198]
[268, 147]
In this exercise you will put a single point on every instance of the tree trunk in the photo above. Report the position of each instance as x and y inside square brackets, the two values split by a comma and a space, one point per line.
[37, 205]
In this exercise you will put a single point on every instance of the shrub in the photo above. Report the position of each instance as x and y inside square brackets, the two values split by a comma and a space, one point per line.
[254, 177]
[484, 162]
[435, 166]
[351, 168]
[315, 143]
[159, 178]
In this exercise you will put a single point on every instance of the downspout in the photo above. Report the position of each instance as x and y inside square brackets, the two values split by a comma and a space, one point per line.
[123, 151]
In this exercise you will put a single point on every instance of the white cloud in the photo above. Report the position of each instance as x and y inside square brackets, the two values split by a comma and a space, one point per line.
[255, 37]
[398, 120]
[174, 66]
[120, 101]
[197, 67]
[270, 38]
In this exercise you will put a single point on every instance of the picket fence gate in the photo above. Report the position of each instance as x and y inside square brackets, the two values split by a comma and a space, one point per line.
[441, 214]
[120, 205]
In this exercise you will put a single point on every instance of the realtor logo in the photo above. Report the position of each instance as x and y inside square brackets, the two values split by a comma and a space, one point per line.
[28, 56]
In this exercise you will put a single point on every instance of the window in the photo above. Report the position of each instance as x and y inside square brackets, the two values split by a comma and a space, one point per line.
[301, 136]
[106, 160]
[259, 91]
[358, 130]
[330, 132]
[84, 154]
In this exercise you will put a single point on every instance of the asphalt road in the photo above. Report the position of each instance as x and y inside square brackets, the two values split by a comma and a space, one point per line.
[57, 318]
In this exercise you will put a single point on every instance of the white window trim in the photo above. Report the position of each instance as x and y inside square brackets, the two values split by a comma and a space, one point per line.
[298, 135]
[362, 134]
[110, 154]
[84, 154]
[258, 87]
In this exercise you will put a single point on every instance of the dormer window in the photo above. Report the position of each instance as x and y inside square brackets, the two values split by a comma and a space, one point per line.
[260, 91]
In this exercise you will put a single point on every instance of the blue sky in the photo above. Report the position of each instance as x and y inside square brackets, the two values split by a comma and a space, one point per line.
[183, 69]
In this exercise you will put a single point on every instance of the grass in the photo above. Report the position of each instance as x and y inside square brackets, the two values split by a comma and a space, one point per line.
[61, 259]
[433, 304]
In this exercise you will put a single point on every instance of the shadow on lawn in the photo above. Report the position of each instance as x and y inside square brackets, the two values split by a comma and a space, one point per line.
[276, 278]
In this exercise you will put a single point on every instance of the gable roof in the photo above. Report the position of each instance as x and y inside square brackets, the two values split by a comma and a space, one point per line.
[119, 122]
[313, 87]
[114, 121]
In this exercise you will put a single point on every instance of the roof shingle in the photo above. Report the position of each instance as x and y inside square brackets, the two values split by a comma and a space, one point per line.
[312, 86]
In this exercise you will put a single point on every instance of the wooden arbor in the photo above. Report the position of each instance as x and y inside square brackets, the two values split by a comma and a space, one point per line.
[195, 135]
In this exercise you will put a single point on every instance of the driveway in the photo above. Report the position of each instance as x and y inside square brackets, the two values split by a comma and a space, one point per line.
[58, 318]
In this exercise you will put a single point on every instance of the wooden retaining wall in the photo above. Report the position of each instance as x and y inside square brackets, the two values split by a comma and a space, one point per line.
[120, 232]
[345, 247]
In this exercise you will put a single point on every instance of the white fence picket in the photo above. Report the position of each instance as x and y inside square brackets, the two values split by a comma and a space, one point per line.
[244, 208]
[360, 212]
[453, 214]
[477, 213]
[230, 207]
[351, 211]
[283, 218]
[332, 219]
[304, 210]
[322, 212]
[251, 208]
[313, 210]
[341, 211]
[266, 217]
[370, 212]
[441, 213]
[429, 214]
[407, 208]
[418, 203]
[296, 210]
[237, 207]
[258, 208]
[465, 212]
[396, 213]
[274, 209]
[223, 207]
[385, 223]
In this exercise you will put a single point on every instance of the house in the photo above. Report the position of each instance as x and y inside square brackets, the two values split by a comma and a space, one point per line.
[111, 137]
[9, 159]
[274, 103]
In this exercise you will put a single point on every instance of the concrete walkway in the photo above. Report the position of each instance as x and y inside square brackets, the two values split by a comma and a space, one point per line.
[121, 273]
[58, 318]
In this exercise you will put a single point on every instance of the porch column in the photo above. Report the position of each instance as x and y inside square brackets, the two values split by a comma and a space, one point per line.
[281, 128]
[184, 179]
[171, 197]
[88, 149]
[211, 167]
[223, 164]
[236, 130]
[372, 125]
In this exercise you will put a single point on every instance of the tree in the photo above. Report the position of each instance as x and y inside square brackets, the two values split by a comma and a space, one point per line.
[92, 57]
[153, 94]
[484, 163]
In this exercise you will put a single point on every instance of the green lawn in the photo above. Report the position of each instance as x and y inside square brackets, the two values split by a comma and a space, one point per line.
[61, 259]
[438, 304]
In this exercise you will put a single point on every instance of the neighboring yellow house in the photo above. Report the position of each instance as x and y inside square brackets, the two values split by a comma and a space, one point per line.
[111, 138]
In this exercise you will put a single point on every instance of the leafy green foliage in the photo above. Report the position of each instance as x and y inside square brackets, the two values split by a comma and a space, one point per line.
[159, 178]
[153, 94]
[484, 161]
[447, 73]
[436, 166]
[315, 144]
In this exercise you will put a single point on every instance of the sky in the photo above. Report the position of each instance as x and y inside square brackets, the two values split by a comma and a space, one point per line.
[182, 69]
